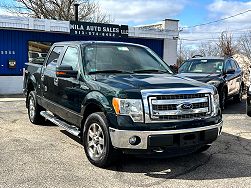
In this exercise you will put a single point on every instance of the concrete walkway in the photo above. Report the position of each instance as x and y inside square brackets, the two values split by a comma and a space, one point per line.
[11, 98]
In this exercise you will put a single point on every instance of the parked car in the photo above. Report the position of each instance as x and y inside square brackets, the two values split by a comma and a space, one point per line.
[120, 97]
[33, 55]
[38, 60]
[224, 73]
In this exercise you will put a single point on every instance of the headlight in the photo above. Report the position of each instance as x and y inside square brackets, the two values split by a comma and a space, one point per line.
[216, 104]
[214, 82]
[130, 107]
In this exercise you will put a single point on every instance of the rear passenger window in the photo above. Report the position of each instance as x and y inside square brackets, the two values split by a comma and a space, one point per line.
[54, 55]
[71, 58]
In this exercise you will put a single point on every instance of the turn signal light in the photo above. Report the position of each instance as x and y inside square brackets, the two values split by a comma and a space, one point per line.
[115, 103]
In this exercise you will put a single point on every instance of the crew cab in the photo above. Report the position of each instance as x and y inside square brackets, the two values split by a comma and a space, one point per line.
[224, 73]
[121, 98]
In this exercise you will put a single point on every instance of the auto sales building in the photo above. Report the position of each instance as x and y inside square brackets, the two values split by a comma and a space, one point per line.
[24, 39]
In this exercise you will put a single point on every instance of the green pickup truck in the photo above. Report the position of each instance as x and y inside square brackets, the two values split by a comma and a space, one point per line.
[121, 98]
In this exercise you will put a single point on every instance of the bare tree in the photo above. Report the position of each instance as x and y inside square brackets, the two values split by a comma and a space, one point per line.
[208, 49]
[89, 10]
[226, 44]
[245, 44]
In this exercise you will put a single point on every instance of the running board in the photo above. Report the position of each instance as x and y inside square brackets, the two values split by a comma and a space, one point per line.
[69, 128]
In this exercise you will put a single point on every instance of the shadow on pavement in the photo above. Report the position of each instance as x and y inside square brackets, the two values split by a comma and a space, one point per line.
[76, 139]
[235, 108]
[229, 157]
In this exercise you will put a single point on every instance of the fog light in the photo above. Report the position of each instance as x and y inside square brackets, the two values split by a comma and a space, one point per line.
[134, 140]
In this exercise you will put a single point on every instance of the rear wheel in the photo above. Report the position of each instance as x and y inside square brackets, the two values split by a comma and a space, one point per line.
[238, 97]
[96, 141]
[248, 109]
[34, 109]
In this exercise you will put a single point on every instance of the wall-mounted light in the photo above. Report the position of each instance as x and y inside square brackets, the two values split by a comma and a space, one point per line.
[12, 63]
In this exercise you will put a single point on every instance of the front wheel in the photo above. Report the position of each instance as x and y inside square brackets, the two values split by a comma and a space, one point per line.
[34, 109]
[238, 97]
[96, 141]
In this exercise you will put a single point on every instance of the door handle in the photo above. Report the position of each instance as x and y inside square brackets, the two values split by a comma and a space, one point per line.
[56, 81]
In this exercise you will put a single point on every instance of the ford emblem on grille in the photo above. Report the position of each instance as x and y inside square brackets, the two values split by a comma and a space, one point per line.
[185, 106]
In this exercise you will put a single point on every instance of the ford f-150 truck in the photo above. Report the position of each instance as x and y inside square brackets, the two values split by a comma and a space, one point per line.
[120, 97]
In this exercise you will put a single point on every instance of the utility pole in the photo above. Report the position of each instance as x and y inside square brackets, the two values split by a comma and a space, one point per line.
[180, 42]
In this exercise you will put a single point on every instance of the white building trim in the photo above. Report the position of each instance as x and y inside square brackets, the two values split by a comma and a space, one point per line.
[149, 31]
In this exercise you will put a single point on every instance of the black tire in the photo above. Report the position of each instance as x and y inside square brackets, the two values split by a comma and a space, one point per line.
[34, 109]
[203, 148]
[248, 109]
[97, 144]
[249, 113]
[223, 98]
[238, 98]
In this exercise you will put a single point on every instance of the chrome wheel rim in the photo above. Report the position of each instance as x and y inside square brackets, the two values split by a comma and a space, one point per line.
[95, 141]
[31, 107]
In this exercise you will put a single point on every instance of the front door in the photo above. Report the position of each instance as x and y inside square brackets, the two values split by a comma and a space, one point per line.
[229, 78]
[68, 89]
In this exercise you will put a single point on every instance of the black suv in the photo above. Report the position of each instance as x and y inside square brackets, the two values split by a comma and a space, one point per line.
[224, 73]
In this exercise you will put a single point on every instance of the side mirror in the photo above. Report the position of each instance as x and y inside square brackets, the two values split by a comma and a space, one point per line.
[230, 71]
[66, 71]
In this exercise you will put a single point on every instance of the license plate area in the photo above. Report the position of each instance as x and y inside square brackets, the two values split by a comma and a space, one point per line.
[189, 139]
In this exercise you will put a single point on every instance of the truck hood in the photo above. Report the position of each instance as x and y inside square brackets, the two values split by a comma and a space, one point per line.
[131, 85]
[202, 77]
[146, 81]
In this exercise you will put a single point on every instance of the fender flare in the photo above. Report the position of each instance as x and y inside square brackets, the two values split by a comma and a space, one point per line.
[97, 98]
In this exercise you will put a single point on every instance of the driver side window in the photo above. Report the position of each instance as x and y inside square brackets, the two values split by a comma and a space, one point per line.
[71, 58]
[228, 66]
[53, 57]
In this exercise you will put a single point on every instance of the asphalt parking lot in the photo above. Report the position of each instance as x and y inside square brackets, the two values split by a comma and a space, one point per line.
[47, 156]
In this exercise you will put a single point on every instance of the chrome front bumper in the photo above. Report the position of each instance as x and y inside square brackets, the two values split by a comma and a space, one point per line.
[120, 138]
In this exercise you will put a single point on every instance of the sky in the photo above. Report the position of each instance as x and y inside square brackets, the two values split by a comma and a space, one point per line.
[189, 12]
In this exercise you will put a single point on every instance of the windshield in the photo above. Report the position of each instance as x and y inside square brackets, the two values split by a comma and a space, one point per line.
[121, 58]
[202, 66]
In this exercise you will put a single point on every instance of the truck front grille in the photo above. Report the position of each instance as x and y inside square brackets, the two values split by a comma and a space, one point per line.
[179, 107]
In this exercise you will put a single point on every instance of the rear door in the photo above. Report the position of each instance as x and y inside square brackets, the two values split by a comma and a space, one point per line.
[68, 89]
[48, 74]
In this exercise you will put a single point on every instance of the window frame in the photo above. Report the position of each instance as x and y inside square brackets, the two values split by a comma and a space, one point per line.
[49, 53]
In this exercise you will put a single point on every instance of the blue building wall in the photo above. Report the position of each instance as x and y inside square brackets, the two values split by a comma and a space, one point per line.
[14, 45]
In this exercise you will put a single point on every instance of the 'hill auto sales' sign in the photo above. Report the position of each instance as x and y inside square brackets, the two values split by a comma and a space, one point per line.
[98, 29]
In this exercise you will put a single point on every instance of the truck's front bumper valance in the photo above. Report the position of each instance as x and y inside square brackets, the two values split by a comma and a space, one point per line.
[128, 139]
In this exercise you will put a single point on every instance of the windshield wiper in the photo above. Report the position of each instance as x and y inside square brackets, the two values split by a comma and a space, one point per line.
[109, 71]
[150, 71]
